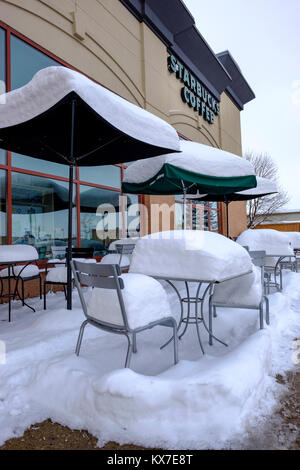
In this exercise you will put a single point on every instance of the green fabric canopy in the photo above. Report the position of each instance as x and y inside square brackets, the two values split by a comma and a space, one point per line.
[197, 168]
[173, 180]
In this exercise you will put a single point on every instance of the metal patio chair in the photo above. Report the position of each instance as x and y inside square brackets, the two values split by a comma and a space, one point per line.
[108, 277]
[258, 259]
[121, 255]
[58, 274]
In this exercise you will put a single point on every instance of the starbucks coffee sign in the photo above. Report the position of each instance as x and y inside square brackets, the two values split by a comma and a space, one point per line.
[194, 93]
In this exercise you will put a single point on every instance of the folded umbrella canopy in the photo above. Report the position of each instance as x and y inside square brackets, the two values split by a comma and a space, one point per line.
[264, 187]
[64, 117]
[198, 168]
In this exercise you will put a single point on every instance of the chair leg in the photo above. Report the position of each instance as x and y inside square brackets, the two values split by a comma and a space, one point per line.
[129, 351]
[175, 336]
[261, 316]
[45, 293]
[210, 320]
[41, 287]
[23, 292]
[215, 312]
[65, 292]
[79, 340]
[267, 310]
[134, 348]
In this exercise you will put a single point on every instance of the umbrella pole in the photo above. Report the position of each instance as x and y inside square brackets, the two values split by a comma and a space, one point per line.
[184, 208]
[70, 214]
[227, 217]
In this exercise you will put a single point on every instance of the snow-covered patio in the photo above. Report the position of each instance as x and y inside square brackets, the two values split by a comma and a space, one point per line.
[210, 401]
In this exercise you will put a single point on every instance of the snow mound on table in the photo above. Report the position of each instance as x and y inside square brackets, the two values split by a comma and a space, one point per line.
[28, 271]
[10, 253]
[123, 241]
[189, 254]
[114, 258]
[145, 301]
[195, 157]
[245, 290]
[271, 241]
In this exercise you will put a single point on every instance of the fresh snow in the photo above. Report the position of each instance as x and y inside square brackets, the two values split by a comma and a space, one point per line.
[11, 253]
[264, 186]
[271, 241]
[208, 402]
[194, 157]
[52, 84]
[144, 298]
[190, 254]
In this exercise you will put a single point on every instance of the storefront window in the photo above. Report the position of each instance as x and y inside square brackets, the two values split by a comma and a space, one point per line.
[132, 218]
[26, 61]
[108, 175]
[199, 215]
[2, 59]
[101, 217]
[3, 216]
[40, 212]
[42, 166]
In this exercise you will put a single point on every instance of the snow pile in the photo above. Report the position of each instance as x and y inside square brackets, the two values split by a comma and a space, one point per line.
[189, 254]
[264, 186]
[144, 298]
[245, 290]
[268, 240]
[11, 253]
[60, 272]
[195, 157]
[205, 402]
[52, 84]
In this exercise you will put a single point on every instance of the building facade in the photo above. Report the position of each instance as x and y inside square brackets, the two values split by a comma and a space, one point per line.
[284, 221]
[150, 53]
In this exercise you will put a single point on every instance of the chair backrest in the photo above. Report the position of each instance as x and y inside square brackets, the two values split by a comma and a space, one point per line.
[258, 258]
[58, 251]
[103, 276]
[83, 252]
[125, 248]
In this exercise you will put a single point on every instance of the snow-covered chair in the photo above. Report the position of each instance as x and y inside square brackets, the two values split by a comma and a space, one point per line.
[122, 303]
[246, 292]
[58, 274]
[121, 255]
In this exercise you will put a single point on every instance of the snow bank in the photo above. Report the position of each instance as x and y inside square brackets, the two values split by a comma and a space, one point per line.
[17, 253]
[189, 254]
[145, 301]
[205, 402]
[52, 84]
[268, 240]
[195, 157]
[246, 290]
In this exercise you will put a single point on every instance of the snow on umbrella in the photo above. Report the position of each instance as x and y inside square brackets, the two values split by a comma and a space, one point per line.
[264, 187]
[197, 168]
[64, 117]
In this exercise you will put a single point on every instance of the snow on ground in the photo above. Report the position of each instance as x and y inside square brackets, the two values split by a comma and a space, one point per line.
[212, 401]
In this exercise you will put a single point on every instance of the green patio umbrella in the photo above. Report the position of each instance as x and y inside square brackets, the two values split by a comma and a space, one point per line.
[264, 187]
[198, 168]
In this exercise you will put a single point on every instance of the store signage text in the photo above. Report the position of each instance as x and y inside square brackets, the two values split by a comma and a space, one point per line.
[194, 93]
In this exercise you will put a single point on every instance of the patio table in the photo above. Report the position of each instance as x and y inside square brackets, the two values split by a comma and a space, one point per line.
[197, 300]
[10, 266]
[280, 259]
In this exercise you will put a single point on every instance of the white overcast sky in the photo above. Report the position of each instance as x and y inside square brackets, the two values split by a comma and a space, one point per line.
[263, 36]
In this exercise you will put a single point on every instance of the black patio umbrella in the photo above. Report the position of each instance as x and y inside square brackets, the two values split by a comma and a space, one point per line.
[264, 187]
[64, 117]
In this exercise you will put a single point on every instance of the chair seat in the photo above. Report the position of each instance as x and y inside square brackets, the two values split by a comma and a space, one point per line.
[245, 291]
[29, 271]
[114, 258]
[59, 273]
[145, 301]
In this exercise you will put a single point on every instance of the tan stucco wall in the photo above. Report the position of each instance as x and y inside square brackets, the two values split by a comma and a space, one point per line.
[107, 43]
